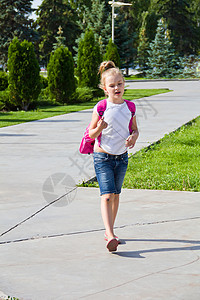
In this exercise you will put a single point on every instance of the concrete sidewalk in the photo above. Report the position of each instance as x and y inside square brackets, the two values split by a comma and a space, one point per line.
[57, 251]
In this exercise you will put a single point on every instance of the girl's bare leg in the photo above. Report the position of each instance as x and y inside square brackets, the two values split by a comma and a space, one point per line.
[115, 206]
[107, 208]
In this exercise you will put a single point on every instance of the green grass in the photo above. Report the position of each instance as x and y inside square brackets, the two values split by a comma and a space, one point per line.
[135, 77]
[140, 93]
[17, 117]
[173, 163]
[139, 77]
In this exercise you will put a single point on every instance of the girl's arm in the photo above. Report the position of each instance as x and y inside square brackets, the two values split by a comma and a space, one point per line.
[131, 140]
[96, 126]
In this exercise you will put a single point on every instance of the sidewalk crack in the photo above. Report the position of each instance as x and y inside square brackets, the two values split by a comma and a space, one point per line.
[37, 212]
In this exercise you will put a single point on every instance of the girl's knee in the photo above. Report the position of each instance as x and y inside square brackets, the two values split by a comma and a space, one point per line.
[107, 197]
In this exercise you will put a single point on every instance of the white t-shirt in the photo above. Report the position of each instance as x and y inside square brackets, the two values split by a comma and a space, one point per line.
[113, 138]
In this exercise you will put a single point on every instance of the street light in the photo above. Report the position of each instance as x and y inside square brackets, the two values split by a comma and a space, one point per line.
[115, 4]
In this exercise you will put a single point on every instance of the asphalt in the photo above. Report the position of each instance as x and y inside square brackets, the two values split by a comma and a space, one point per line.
[51, 232]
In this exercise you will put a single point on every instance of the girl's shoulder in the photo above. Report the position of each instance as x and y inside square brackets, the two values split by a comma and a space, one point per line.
[131, 105]
[100, 106]
[102, 102]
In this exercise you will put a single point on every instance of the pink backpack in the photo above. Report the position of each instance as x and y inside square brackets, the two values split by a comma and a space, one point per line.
[87, 144]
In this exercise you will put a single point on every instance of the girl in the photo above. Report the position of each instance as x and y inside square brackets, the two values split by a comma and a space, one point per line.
[110, 155]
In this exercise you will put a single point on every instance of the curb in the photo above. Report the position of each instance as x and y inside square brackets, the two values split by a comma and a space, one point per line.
[160, 80]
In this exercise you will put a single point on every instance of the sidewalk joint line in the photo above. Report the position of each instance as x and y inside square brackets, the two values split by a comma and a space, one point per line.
[141, 277]
[92, 230]
[37, 212]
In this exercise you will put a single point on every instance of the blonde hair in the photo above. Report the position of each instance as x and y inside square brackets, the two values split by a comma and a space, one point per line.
[108, 68]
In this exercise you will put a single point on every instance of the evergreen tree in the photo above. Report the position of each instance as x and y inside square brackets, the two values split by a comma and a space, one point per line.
[181, 24]
[133, 14]
[143, 47]
[195, 9]
[14, 21]
[89, 58]
[112, 53]
[51, 14]
[80, 4]
[61, 80]
[162, 61]
[3, 80]
[60, 40]
[151, 19]
[97, 19]
[125, 42]
[24, 74]
[188, 66]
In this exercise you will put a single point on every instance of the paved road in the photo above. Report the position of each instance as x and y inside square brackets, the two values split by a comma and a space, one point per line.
[57, 251]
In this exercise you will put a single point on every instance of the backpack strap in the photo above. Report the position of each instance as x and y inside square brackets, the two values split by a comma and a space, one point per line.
[132, 108]
[101, 107]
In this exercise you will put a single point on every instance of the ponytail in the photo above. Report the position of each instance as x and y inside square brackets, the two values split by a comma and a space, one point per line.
[107, 68]
[106, 65]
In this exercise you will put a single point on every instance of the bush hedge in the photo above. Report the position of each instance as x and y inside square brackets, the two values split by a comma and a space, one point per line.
[3, 80]
[44, 82]
[61, 80]
[24, 74]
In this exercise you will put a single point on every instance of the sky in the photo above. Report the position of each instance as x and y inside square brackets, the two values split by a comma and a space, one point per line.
[35, 4]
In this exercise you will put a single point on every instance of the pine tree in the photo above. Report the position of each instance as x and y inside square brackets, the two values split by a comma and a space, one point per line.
[14, 21]
[51, 14]
[112, 53]
[143, 47]
[162, 61]
[195, 10]
[125, 42]
[80, 4]
[89, 58]
[134, 13]
[180, 20]
[24, 74]
[188, 66]
[61, 80]
[60, 40]
[97, 19]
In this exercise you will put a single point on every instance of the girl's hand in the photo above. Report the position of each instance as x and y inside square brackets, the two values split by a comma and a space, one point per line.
[102, 124]
[131, 140]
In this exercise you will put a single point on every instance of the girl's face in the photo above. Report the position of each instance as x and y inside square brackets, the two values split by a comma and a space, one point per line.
[114, 87]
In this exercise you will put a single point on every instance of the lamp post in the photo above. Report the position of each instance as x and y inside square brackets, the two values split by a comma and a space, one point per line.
[113, 5]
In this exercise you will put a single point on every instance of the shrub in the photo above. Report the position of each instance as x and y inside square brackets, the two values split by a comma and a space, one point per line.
[112, 53]
[3, 81]
[4, 100]
[83, 94]
[44, 82]
[24, 74]
[61, 80]
[88, 61]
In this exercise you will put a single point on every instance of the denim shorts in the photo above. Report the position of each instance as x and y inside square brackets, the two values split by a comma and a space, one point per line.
[110, 171]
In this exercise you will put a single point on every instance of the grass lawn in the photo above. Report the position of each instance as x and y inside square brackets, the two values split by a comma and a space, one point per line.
[171, 164]
[17, 117]
[139, 77]
[135, 77]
